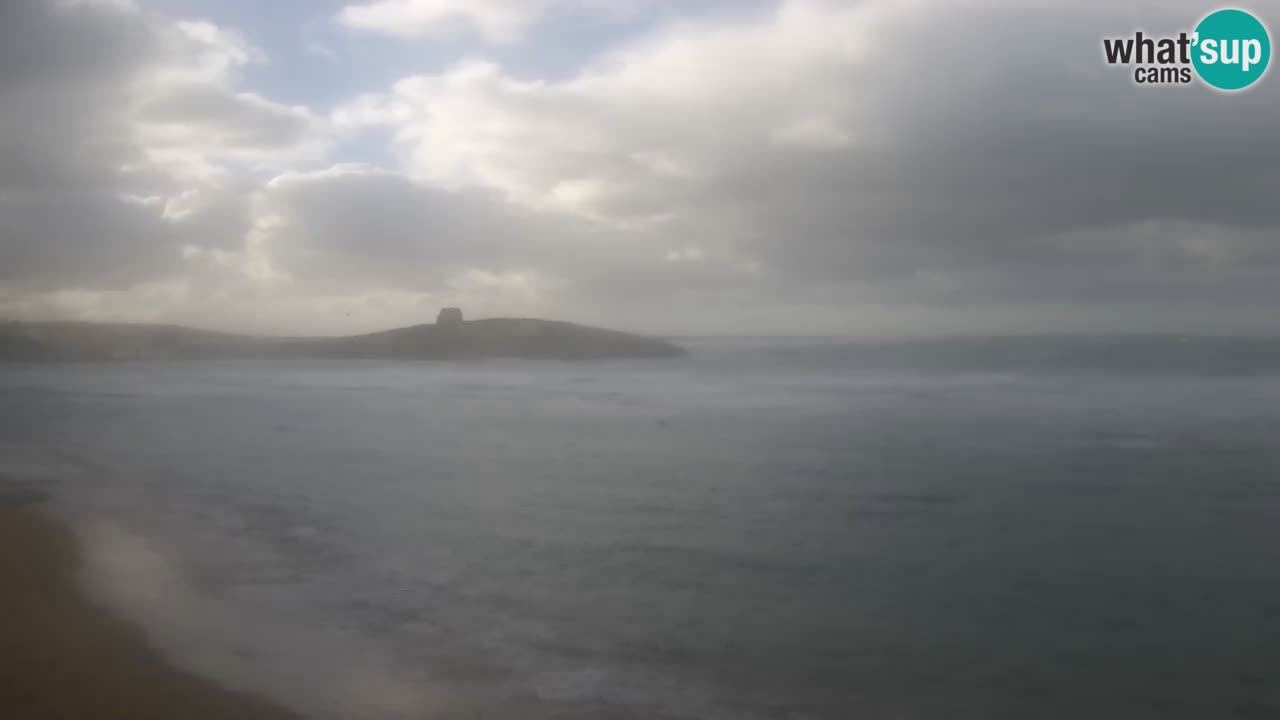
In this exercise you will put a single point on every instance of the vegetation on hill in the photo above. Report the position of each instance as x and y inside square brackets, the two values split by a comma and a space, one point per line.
[497, 337]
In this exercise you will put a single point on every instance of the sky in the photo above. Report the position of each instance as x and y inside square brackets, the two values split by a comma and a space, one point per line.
[664, 166]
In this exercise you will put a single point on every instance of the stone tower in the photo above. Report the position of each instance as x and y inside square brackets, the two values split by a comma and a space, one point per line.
[449, 316]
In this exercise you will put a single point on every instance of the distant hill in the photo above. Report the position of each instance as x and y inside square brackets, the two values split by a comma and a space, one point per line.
[497, 337]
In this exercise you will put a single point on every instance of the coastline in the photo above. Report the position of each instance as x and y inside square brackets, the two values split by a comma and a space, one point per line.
[64, 657]
[474, 339]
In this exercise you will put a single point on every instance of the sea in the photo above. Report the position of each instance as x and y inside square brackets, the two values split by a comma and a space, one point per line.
[789, 529]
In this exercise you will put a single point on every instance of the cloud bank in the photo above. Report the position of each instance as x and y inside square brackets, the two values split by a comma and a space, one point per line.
[887, 165]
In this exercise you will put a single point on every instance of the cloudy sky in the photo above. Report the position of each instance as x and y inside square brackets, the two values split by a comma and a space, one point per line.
[667, 166]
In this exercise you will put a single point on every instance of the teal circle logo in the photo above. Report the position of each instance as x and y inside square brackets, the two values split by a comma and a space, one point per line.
[1232, 49]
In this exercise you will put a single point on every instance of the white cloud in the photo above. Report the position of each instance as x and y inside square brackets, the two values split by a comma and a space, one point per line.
[811, 133]
[123, 138]
[821, 142]
[689, 253]
[850, 162]
[214, 51]
[631, 135]
[499, 21]
[321, 50]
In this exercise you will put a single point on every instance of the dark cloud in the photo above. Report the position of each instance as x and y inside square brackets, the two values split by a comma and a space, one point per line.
[112, 128]
[80, 239]
[356, 227]
[62, 71]
[214, 112]
[853, 159]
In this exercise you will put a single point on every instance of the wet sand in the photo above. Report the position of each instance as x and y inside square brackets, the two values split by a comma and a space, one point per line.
[62, 657]
[65, 657]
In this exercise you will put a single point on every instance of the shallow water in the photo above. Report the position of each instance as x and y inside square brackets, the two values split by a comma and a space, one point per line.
[762, 530]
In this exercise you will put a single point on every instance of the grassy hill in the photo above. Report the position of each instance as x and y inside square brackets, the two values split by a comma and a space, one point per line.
[497, 337]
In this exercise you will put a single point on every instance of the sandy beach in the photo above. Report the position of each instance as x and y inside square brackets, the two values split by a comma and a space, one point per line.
[64, 658]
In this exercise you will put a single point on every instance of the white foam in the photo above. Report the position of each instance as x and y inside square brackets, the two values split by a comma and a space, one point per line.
[310, 669]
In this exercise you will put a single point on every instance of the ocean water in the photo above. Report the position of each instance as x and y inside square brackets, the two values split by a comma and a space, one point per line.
[1035, 528]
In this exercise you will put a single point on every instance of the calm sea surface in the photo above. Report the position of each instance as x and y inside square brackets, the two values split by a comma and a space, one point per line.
[1037, 528]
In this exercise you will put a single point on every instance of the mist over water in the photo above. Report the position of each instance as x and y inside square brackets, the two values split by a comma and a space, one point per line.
[943, 529]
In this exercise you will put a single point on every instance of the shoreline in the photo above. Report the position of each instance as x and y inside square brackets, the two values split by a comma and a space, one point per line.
[65, 657]
[458, 340]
